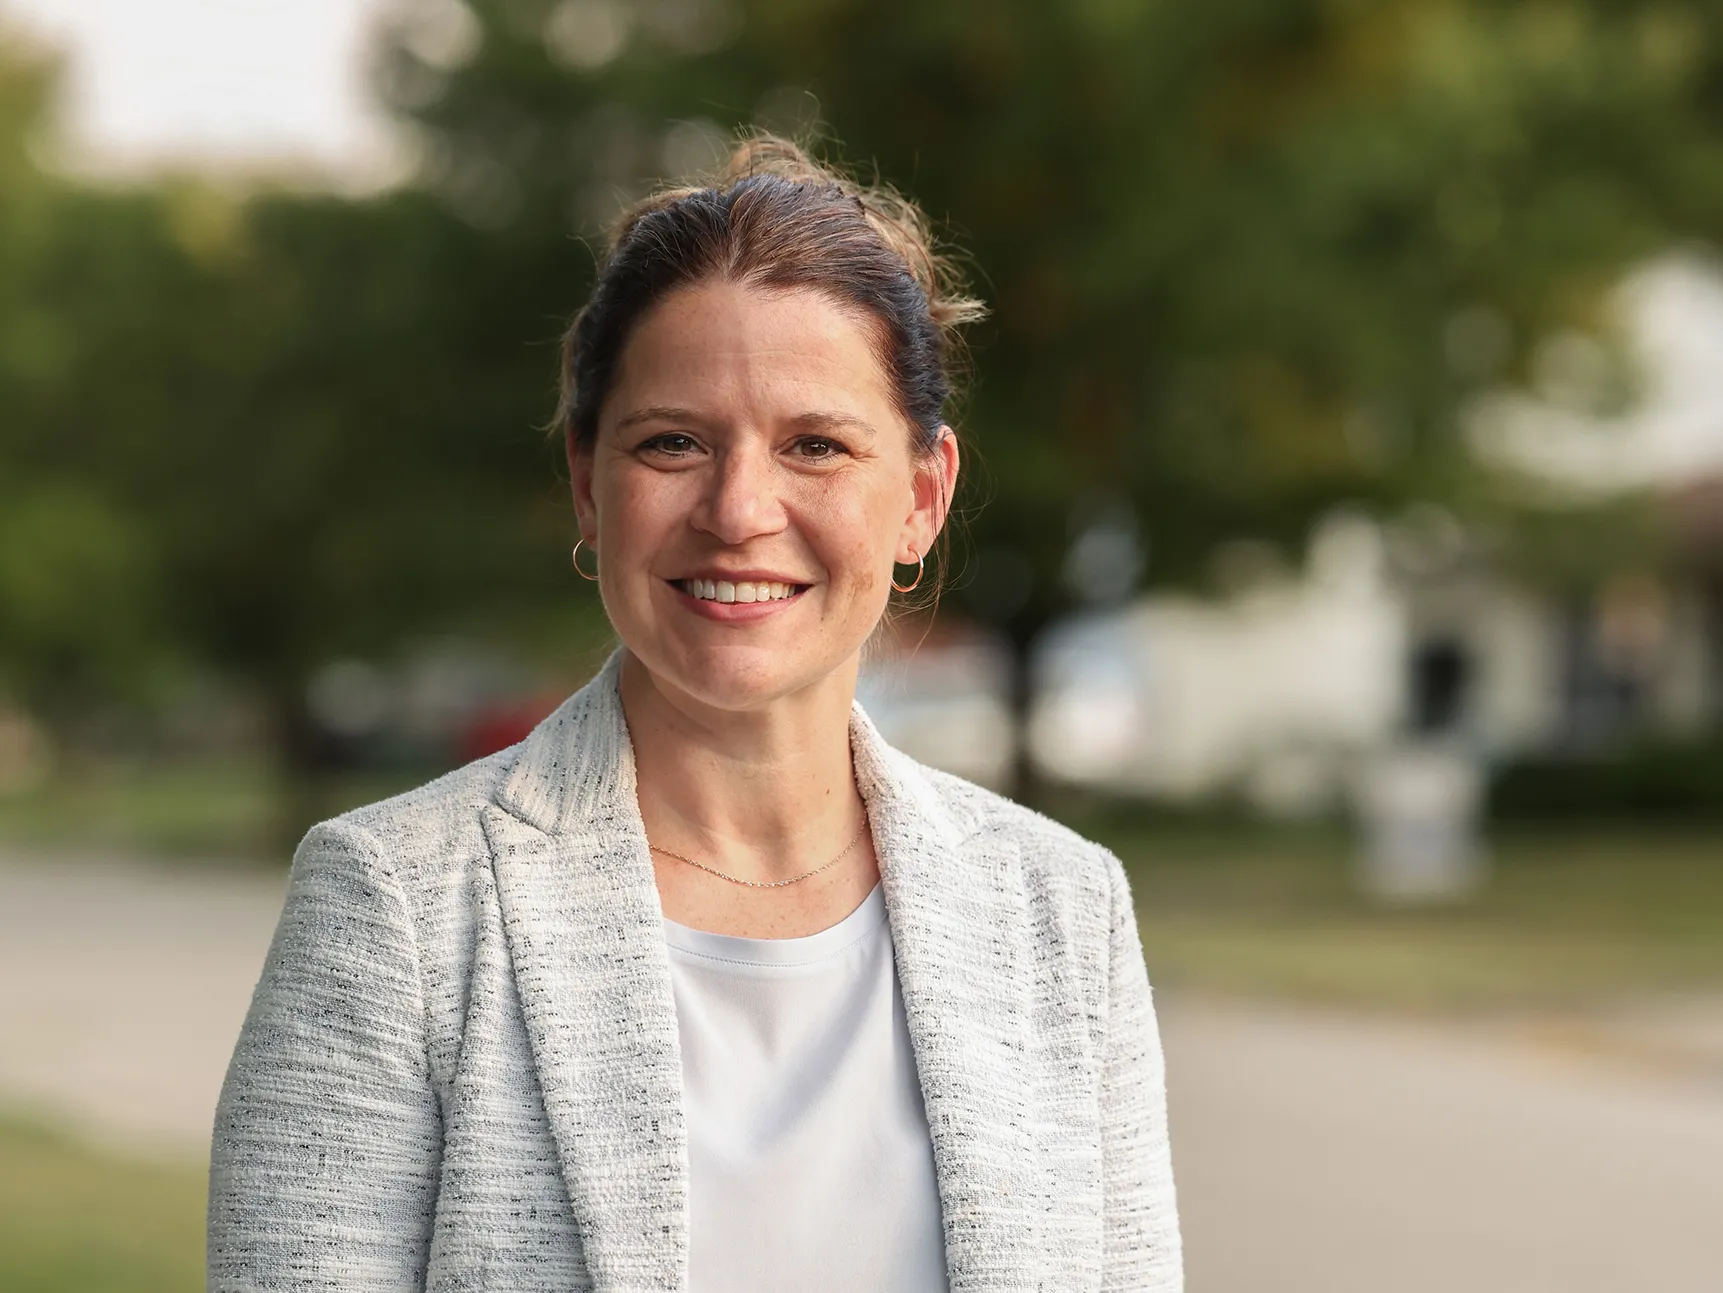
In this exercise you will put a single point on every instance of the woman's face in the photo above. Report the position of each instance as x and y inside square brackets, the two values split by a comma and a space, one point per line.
[750, 487]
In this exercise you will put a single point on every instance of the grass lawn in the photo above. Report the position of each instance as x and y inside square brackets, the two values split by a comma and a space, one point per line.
[1568, 917]
[180, 811]
[75, 1220]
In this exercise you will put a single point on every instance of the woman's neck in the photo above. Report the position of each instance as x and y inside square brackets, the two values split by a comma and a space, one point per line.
[766, 794]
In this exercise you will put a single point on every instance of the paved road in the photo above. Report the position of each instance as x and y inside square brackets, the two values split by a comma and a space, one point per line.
[122, 989]
[1316, 1153]
[1327, 1154]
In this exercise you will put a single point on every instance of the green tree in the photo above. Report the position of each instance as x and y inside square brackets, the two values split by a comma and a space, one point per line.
[1247, 259]
[257, 431]
[75, 618]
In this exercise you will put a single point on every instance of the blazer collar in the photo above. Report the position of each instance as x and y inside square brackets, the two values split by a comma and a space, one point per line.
[961, 934]
[583, 925]
[584, 928]
[577, 764]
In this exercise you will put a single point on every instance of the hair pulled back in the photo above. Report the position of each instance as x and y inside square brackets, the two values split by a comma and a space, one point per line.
[776, 219]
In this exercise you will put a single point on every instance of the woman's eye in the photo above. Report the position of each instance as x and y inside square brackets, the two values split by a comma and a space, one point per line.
[673, 443]
[817, 448]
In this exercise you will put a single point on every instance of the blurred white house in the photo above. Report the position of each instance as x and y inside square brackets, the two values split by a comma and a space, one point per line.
[1284, 693]
[1178, 697]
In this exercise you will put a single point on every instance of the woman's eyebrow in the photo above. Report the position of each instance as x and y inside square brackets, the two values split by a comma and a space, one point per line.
[822, 420]
[659, 413]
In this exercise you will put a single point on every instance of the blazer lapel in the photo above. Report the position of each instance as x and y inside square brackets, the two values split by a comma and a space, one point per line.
[583, 925]
[959, 923]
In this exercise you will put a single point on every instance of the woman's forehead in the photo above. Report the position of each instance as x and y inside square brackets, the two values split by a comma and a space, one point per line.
[727, 341]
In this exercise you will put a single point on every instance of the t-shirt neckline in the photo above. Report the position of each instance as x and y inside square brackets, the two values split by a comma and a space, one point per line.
[806, 950]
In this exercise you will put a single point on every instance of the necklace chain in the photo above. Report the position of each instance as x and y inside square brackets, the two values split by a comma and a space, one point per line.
[767, 884]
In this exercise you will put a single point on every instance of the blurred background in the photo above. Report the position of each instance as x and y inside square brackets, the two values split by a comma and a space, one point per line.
[1346, 550]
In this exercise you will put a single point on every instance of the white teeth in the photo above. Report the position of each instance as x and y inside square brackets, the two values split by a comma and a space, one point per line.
[722, 590]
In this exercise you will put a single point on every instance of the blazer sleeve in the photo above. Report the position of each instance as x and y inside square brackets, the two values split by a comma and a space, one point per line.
[328, 1136]
[1143, 1250]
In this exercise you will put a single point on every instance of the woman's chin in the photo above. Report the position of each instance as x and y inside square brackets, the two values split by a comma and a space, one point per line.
[741, 676]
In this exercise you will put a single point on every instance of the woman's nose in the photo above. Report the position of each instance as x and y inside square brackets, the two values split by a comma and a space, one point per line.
[741, 499]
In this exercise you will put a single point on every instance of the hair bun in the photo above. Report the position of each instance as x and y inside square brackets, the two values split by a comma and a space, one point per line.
[898, 222]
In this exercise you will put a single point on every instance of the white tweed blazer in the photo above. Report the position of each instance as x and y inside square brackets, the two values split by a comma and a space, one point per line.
[461, 1071]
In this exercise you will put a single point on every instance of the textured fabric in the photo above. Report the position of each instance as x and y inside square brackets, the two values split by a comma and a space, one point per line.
[461, 1067]
[809, 1162]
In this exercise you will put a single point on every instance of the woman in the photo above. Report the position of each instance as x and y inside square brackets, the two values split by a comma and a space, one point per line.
[703, 986]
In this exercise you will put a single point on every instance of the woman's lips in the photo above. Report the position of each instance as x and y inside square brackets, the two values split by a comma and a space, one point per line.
[736, 610]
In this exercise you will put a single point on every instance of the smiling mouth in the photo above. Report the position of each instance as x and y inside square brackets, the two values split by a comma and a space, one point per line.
[723, 590]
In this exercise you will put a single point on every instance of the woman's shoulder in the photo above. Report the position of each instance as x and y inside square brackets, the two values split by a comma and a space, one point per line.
[436, 825]
[1046, 847]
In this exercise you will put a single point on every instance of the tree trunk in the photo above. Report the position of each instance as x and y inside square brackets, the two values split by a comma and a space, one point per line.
[1026, 786]
[305, 786]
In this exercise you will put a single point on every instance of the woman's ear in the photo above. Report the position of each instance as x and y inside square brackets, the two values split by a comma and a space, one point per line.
[580, 488]
[933, 489]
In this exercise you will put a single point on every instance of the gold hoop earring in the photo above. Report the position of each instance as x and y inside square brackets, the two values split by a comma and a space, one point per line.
[920, 567]
[592, 578]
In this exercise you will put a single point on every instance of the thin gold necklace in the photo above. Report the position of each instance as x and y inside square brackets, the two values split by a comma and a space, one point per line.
[767, 884]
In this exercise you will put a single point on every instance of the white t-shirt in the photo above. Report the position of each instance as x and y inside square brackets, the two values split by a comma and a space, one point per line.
[810, 1165]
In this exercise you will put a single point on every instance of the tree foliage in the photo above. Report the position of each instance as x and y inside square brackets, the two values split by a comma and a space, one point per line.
[1246, 259]
[252, 432]
[1232, 249]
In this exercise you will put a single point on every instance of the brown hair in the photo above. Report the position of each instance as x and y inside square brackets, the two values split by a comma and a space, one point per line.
[775, 218]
